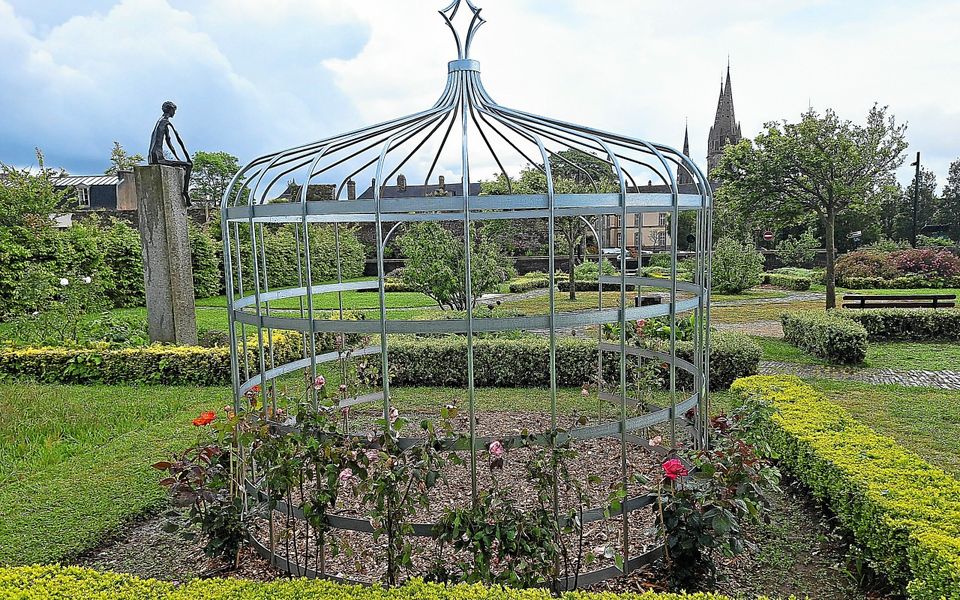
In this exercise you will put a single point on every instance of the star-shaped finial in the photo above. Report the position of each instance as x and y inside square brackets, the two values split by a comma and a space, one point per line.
[449, 13]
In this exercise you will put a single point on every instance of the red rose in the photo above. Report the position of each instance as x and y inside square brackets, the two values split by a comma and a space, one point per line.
[204, 419]
[673, 468]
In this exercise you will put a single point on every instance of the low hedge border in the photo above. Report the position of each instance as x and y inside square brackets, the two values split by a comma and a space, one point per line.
[827, 335]
[905, 512]
[526, 283]
[29, 583]
[905, 282]
[524, 362]
[169, 365]
[789, 282]
[908, 324]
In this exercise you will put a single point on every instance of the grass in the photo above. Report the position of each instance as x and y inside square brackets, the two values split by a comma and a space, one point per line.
[925, 420]
[769, 311]
[900, 356]
[75, 461]
[751, 294]
[352, 300]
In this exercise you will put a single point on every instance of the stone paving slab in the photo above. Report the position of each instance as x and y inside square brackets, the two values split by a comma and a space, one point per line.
[944, 380]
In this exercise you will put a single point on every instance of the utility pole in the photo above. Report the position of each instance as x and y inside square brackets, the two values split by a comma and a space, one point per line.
[916, 200]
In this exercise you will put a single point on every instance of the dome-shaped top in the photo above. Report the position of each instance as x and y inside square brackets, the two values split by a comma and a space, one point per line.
[466, 136]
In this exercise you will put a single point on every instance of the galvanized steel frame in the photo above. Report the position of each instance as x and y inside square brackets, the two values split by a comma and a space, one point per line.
[251, 203]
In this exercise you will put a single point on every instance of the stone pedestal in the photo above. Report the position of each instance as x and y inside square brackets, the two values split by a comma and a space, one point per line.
[167, 269]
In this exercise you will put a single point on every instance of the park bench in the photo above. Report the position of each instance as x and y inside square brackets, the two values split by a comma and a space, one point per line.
[909, 301]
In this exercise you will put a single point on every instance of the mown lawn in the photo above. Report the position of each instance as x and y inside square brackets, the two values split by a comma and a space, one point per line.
[901, 356]
[768, 311]
[75, 461]
[925, 420]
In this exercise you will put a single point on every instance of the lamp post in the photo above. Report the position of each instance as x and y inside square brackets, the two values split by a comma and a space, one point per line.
[916, 200]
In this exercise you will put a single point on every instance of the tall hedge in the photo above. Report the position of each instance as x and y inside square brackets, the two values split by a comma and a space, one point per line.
[904, 512]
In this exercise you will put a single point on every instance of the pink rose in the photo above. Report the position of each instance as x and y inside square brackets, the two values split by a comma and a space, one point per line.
[345, 475]
[319, 381]
[394, 414]
[584, 392]
[496, 449]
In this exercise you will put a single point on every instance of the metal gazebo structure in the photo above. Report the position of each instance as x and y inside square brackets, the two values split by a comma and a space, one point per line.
[463, 133]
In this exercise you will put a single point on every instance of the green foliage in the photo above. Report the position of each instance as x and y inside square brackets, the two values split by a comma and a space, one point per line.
[827, 335]
[436, 264]
[528, 281]
[798, 252]
[590, 271]
[904, 512]
[212, 172]
[908, 324]
[43, 582]
[737, 266]
[524, 362]
[207, 262]
[820, 166]
[726, 490]
[790, 282]
[122, 254]
[924, 241]
[120, 160]
[158, 364]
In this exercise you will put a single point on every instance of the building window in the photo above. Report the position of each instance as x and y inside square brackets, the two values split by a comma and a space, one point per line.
[83, 196]
[662, 221]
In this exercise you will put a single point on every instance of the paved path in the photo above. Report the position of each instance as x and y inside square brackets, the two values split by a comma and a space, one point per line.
[792, 297]
[770, 329]
[945, 380]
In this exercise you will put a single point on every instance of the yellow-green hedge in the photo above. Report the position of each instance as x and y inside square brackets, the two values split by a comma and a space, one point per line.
[169, 365]
[54, 582]
[905, 511]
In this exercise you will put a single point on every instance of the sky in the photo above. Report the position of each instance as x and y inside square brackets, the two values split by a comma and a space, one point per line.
[252, 77]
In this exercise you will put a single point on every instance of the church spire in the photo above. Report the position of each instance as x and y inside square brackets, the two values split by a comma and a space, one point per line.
[725, 128]
[684, 177]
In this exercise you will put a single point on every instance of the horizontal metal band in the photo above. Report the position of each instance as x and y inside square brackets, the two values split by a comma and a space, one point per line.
[302, 363]
[648, 353]
[654, 282]
[481, 325]
[327, 288]
[634, 423]
[466, 64]
[365, 210]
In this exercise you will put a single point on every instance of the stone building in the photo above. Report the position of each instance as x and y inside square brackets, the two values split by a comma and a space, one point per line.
[726, 129]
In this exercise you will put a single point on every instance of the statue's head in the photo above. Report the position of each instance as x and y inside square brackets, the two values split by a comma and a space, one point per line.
[169, 109]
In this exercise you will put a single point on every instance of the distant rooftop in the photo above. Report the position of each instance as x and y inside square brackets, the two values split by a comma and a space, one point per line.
[72, 180]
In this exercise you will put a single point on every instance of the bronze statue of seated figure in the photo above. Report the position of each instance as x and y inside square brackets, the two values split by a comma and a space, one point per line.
[157, 155]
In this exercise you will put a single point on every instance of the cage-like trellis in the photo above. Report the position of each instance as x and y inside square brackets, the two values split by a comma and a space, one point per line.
[464, 133]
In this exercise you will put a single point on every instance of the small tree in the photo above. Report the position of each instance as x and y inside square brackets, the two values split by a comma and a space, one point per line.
[736, 266]
[436, 264]
[212, 172]
[121, 161]
[948, 211]
[821, 165]
[798, 252]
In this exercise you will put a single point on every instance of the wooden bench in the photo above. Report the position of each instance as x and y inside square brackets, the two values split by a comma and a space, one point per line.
[911, 301]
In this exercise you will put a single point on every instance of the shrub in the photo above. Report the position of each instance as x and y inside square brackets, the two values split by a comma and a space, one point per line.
[54, 581]
[908, 324]
[905, 282]
[796, 272]
[169, 365]
[902, 510]
[661, 259]
[865, 263]
[736, 266]
[524, 362]
[926, 261]
[529, 281]
[589, 271]
[798, 252]
[205, 256]
[120, 244]
[826, 335]
[925, 241]
[790, 282]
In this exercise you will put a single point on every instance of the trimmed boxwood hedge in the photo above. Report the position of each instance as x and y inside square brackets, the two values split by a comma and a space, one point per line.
[905, 282]
[828, 335]
[43, 582]
[524, 362]
[169, 365]
[904, 512]
[789, 282]
[530, 281]
[908, 324]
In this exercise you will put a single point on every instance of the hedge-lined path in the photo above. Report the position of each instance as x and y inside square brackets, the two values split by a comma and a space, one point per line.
[944, 380]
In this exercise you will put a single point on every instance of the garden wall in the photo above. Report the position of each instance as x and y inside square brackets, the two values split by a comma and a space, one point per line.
[904, 512]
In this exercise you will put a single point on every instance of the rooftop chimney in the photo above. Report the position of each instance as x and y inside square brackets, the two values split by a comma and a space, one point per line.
[402, 182]
[443, 185]
[351, 189]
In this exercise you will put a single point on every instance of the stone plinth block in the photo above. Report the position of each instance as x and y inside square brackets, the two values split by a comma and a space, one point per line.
[167, 269]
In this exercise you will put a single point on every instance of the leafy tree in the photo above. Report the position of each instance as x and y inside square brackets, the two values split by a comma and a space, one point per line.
[436, 265]
[798, 251]
[737, 266]
[821, 165]
[212, 172]
[574, 172]
[926, 203]
[121, 161]
[28, 196]
[948, 211]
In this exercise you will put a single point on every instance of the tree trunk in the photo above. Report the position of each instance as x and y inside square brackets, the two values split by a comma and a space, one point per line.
[830, 243]
[570, 278]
